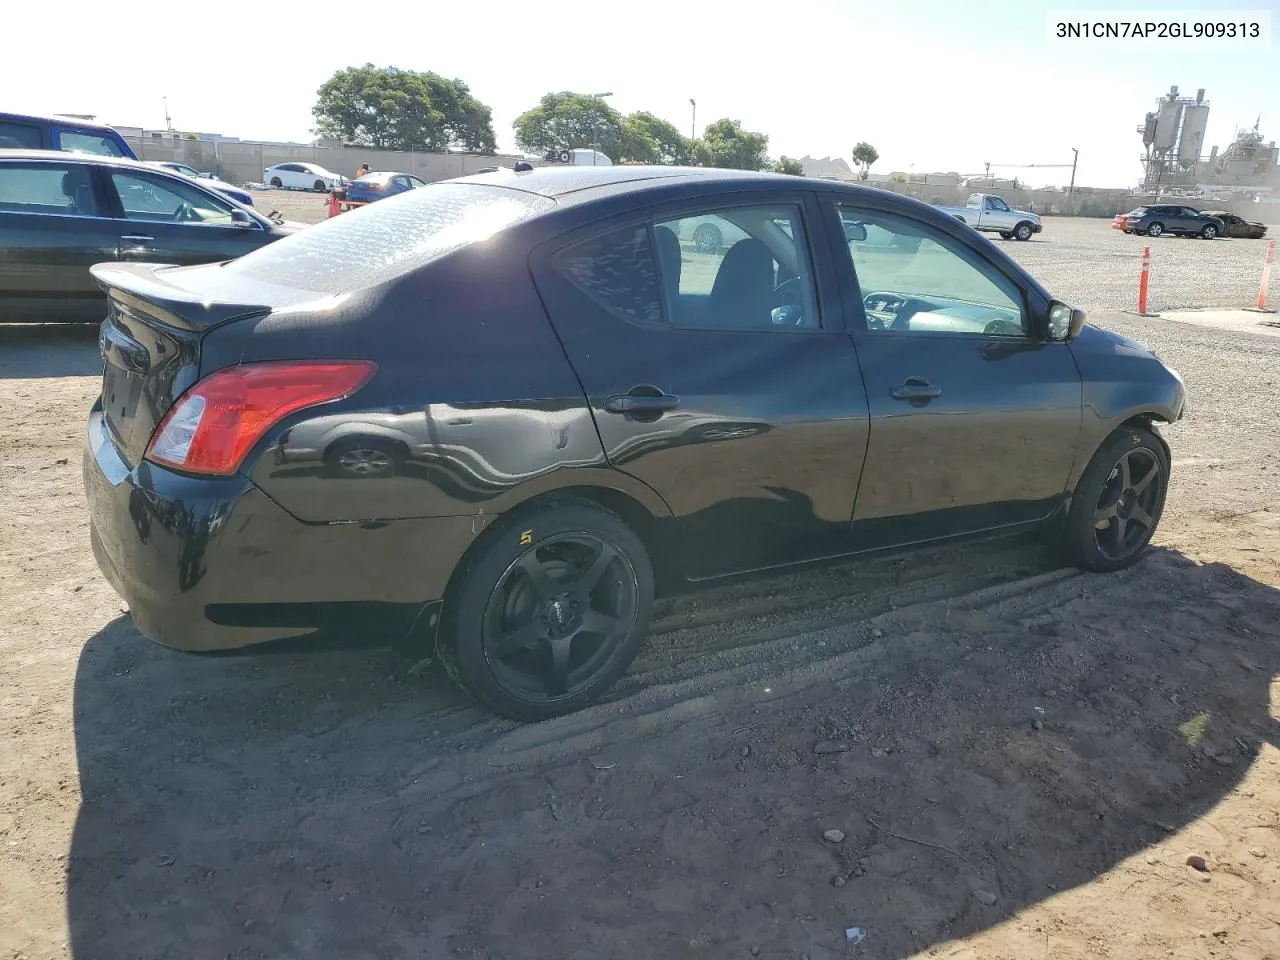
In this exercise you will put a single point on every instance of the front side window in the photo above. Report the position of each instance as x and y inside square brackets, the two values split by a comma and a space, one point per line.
[737, 268]
[156, 200]
[47, 188]
[917, 280]
[81, 142]
[998, 205]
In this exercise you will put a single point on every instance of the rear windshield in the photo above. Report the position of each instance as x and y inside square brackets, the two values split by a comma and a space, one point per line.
[389, 238]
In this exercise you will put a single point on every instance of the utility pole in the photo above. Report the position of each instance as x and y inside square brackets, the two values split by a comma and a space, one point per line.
[168, 124]
[595, 129]
[1074, 159]
[693, 127]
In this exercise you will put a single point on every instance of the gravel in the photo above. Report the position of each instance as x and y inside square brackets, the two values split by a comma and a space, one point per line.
[1088, 264]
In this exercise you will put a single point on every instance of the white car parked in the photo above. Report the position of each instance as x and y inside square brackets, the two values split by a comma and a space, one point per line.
[302, 176]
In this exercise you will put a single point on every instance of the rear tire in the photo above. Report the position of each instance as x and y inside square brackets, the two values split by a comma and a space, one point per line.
[320, 187]
[1155, 230]
[1209, 232]
[275, 182]
[708, 238]
[548, 610]
[1117, 504]
[1006, 234]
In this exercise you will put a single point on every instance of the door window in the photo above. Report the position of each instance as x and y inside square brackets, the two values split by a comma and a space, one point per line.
[20, 135]
[738, 268]
[66, 190]
[995, 203]
[917, 280]
[168, 201]
[78, 141]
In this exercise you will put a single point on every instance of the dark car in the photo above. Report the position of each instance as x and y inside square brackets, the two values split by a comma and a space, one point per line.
[379, 186]
[25, 131]
[1238, 227]
[60, 213]
[499, 413]
[1164, 218]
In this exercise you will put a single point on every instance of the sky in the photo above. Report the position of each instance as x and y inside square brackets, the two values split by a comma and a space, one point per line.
[933, 85]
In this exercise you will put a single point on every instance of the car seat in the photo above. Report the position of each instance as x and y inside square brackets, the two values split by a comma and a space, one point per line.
[669, 261]
[79, 193]
[743, 292]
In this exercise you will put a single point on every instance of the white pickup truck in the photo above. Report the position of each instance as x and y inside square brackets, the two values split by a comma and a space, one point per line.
[989, 213]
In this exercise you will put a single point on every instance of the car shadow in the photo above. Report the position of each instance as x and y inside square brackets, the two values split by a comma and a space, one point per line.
[334, 804]
[37, 351]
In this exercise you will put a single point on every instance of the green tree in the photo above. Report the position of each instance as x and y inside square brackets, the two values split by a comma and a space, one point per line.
[395, 109]
[788, 165]
[568, 121]
[725, 144]
[864, 155]
[649, 139]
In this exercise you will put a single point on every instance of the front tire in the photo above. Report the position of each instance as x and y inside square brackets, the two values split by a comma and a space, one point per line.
[1209, 232]
[1023, 232]
[1117, 503]
[549, 610]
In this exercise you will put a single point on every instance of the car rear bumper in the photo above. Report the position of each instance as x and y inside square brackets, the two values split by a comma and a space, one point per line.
[214, 564]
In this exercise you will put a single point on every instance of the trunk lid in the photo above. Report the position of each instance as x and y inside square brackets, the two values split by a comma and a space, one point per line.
[150, 346]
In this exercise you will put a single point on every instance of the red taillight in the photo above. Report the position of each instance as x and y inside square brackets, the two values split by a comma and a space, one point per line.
[215, 424]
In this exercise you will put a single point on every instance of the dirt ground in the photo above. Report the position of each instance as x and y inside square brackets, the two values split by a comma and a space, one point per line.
[1020, 758]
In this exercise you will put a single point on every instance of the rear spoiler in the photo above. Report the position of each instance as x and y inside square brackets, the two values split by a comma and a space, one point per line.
[143, 287]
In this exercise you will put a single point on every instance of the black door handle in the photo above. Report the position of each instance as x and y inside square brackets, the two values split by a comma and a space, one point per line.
[916, 388]
[641, 404]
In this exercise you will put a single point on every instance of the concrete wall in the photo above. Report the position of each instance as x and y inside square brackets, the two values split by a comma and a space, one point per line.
[244, 162]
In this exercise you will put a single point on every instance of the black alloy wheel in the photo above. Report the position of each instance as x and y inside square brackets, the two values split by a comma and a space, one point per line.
[1118, 501]
[1127, 508]
[550, 612]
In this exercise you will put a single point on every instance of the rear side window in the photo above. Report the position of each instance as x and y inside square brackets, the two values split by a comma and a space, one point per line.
[81, 142]
[20, 135]
[48, 189]
[618, 271]
[388, 239]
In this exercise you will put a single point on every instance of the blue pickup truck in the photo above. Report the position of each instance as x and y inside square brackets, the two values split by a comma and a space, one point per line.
[22, 131]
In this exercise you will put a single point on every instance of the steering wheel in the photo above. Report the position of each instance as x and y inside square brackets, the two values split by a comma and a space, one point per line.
[790, 302]
[185, 213]
[1000, 327]
[882, 303]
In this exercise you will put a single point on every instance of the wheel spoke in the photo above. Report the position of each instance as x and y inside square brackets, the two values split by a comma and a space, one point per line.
[593, 621]
[558, 679]
[1118, 527]
[1125, 477]
[587, 581]
[521, 638]
[1140, 487]
[537, 574]
[1141, 517]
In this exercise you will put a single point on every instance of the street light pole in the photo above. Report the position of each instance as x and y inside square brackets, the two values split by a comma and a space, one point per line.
[693, 127]
[595, 129]
[1074, 159]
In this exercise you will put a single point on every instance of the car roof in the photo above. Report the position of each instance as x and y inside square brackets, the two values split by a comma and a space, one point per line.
[64, 156]
[56, 118]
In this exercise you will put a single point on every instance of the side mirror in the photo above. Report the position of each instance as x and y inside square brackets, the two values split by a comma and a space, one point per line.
[1065, 322]
[241, 219]
[854, 232]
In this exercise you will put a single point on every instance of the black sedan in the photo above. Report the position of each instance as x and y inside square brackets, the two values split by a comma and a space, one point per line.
[498, 414]
[60, 213]
[1159, 219]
